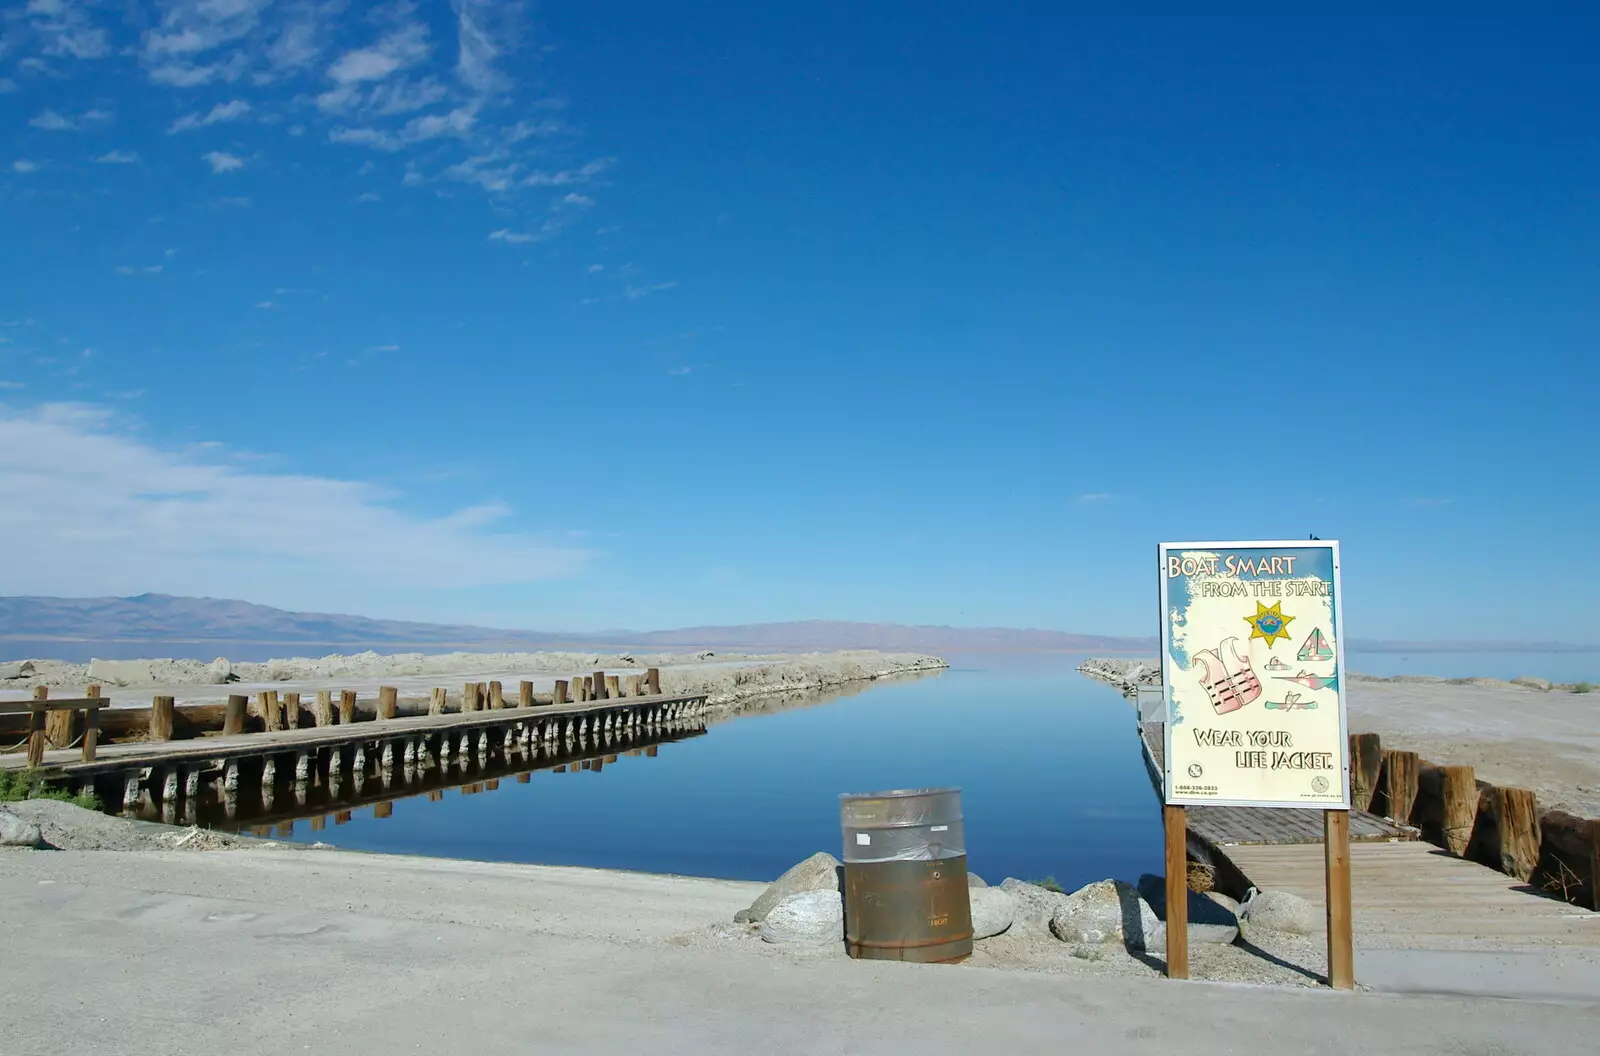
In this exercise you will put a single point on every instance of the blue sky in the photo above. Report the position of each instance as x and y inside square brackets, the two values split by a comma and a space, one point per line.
[627, 314]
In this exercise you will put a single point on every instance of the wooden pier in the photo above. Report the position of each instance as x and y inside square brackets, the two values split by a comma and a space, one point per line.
[1416, 895]
[172, 778]
[1439, 861]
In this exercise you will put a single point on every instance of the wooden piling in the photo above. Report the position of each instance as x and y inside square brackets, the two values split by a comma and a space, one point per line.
[161, 719]
[1341, 942]
[383, 810]
[1366, 757]
[652, 679]
[233, 718]
[291, 711]
[469, 696]
[388, 702]
[497, 698]
[61, 727]
[436, 702]
[91, 725]
[613, 687]
[1506, 836]
[36, 730]
[525, 694]
[1446, 805]
[1400, 784]
[1594, 866]
[322, 713]
[560, 696]
[597, 686]
[267, 702]
[347, 706]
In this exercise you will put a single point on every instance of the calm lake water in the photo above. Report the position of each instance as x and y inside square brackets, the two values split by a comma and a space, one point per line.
[1053, 784]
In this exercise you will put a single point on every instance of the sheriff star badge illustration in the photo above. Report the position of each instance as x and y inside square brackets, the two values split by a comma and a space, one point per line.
[1269, 623]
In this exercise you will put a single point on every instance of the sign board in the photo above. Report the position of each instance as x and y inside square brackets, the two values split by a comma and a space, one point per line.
[1252, 664]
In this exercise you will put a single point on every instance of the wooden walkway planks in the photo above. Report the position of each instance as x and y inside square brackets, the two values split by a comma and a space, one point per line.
[134, 754]
[1231, 826]
[1412, 894]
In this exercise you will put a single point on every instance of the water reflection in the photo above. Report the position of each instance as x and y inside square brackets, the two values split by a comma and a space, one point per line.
[1049, 762]
[272, 801]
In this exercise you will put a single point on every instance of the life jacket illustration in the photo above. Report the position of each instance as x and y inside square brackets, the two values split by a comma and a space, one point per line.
[1229, 683]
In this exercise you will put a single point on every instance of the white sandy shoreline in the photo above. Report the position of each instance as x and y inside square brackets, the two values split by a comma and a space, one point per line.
[726, 678]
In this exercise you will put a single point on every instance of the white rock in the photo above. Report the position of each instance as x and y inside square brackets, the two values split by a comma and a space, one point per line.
[812, 917]
[1035, 905]
[1106, 911]
[15, 832]
[220, 671]
[20, 669]
[1282, 911]
[974, 880]
[820, 872]
[993, 909]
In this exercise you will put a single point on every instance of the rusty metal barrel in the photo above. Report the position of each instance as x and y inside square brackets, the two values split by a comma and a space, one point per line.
[905, 875]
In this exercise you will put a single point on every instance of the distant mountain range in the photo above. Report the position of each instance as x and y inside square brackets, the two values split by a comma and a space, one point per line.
[157, 618]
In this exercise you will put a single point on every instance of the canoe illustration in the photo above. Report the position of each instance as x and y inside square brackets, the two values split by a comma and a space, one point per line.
[1292, 702]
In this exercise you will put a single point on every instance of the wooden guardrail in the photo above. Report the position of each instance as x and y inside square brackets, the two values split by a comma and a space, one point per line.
[56, 722]
[41, 710]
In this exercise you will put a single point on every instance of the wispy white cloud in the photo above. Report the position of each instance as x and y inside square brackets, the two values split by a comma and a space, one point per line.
[457, 122]
[12, 385]
[7, 85]
[514, 238]
[51, 121]
[595, 269]
[221, 161]
[66, 29]
[149, 269]
[266, 304]
[384, 348]
[568, 177]
[117, 157]
[577, 201]
[196, 521]
[486, 31]
[404, 46]
[492, 172]
[219, 114]
[633, 293]
[24, 165]
[375, 138]
[1096, 498]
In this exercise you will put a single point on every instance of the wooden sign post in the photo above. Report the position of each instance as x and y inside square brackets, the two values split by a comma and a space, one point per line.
[1252, 667]
[1341, 939]
[1176, 820]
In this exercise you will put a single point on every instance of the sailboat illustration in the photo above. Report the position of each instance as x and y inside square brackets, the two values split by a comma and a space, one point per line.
[1315, 647]
[1292, 702]
[1313, 681]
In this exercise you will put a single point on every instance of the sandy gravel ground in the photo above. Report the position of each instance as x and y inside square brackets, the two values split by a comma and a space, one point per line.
[1546, 740]
[273, 950]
